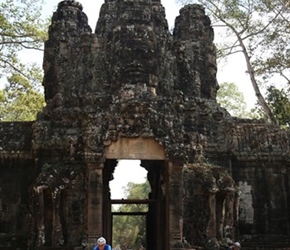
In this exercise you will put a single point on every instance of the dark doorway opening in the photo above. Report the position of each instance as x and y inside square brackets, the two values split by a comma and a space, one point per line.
[155, 215]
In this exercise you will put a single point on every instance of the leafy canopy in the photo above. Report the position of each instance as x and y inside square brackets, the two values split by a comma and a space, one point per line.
[278, 100]
[21, 99]
[21, 28]
[230, 98]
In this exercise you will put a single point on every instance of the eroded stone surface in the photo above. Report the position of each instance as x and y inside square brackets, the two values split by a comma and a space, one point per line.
[132, 80]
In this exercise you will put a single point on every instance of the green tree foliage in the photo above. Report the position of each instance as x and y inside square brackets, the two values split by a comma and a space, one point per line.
[278, 100]
[275, 42]
[259, 29]
[130, 230]
[21, 28]
[230, 98]
[21, 98]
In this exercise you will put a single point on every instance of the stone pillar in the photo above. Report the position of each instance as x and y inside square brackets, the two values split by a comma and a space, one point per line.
[229, 215]
[40, 217]
[95, 202]
[220, 215]
[211, 228]
[175, 204]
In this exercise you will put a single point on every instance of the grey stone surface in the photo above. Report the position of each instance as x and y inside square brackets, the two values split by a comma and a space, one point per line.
[132, 78]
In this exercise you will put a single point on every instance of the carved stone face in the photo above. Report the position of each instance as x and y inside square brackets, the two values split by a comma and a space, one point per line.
[134, 48]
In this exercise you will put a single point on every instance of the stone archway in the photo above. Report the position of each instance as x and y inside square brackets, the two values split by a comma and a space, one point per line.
[164, 218]
[156, 216]
[153, 159]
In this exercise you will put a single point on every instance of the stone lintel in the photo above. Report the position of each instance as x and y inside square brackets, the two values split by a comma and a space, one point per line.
[135, 148]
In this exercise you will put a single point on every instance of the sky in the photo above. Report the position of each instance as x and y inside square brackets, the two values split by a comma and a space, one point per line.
[126, 171]
[232, 71]
[92, 7]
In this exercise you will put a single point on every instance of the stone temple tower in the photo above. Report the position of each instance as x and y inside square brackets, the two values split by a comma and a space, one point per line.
[133, 90]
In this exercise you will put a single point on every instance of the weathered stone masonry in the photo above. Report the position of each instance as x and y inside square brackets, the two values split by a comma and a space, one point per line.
[133, 90]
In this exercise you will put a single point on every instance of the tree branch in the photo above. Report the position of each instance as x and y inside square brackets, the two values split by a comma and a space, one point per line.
[22, 44]
[13, 67]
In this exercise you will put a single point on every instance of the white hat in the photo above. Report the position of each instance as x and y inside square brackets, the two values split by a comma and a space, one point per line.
[237, 244]
[101, 241]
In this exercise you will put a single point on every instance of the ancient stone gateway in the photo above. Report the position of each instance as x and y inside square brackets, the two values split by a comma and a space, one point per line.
[153, 159]
[133, 90]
